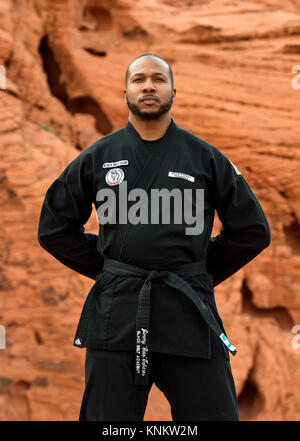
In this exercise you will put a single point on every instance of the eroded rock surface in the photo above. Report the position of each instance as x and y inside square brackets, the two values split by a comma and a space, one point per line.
[235, 70]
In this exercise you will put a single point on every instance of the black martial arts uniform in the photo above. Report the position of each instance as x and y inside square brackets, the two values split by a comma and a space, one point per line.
[158, 267]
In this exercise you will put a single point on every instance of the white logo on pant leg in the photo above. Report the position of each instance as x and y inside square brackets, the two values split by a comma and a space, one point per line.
[77, 341]
[114, 176]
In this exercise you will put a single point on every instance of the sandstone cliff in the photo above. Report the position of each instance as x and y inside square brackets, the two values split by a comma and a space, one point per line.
[235, 71]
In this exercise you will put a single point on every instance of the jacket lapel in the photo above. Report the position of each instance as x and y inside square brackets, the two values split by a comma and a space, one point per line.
[148, 163]
[146, 167]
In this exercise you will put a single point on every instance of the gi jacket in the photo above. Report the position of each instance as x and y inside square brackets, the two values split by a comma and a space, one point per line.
[181, 161]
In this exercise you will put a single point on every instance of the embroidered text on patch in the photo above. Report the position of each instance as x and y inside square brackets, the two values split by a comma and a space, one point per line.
[181, 175]
[115, 164]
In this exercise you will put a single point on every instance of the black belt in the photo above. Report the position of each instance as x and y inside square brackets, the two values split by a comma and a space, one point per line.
[173, 279]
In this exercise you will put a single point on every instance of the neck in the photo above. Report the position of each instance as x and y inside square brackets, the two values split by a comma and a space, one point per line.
[152, 128]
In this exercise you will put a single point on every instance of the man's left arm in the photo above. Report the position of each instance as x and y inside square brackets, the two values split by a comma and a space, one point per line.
[245, 230]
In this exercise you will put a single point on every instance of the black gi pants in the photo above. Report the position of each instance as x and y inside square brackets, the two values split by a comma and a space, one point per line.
[196, 389]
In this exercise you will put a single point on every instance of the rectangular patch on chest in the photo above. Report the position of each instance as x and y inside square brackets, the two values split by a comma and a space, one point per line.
[115, 164]
[181, 175]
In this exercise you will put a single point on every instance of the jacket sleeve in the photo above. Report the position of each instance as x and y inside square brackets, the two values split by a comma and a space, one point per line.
[66, 208]
[245, 230]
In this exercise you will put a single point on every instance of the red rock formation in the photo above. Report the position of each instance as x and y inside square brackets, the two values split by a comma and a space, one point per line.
[235, 66]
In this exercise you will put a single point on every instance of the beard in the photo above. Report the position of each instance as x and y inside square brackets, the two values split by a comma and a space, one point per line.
[163, 108]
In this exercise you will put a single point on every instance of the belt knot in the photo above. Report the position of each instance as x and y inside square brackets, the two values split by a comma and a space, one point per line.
[154, 275]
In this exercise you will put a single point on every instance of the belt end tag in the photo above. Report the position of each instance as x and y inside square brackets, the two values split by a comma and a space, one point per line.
[227, 343]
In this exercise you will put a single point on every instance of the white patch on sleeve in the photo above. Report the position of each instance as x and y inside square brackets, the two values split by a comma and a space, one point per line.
[235, 168]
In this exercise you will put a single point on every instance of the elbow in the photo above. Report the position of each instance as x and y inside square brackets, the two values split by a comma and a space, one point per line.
[265, 238]
[39, 237]
[42, 239]
[43, 236]
[47, 244]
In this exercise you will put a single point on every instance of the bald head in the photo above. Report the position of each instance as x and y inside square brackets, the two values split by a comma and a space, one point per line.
[157, 57]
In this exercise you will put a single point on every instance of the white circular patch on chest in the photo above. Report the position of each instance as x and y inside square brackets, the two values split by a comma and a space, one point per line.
[114, 176]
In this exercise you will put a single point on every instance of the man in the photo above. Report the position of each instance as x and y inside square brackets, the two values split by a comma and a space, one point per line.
[166, 268]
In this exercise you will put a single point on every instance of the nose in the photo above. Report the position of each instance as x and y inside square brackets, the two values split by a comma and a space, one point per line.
[148, 85]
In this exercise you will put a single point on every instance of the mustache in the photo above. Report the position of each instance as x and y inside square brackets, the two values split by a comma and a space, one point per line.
[145, 97]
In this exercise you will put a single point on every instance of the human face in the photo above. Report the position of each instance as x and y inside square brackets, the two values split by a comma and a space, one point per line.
[148, 77]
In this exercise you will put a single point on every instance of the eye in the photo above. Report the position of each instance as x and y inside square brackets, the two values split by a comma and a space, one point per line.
[160, 79]
[137, 79]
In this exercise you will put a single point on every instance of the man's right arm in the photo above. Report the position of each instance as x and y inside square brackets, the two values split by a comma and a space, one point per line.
[66, 208]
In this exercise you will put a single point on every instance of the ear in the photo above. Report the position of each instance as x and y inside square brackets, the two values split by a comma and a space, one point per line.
[174, 93]
[125, 91]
